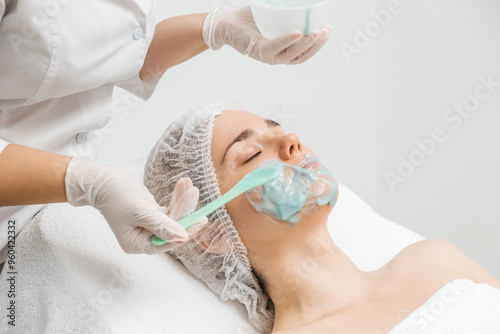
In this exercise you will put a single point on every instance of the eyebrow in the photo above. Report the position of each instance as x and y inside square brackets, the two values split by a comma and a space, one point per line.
[245, 134]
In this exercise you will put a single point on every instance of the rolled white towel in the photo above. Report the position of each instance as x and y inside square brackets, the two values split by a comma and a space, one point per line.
[460, 307]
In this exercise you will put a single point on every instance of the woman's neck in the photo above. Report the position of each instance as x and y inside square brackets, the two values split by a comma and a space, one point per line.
[308, 277]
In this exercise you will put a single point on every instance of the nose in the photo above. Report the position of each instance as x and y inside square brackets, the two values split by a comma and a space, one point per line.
[290, 146]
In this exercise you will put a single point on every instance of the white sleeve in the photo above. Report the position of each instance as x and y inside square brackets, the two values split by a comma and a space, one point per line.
[140, 88]
[88, 44]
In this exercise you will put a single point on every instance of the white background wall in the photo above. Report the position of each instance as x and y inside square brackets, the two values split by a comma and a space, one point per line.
[361, 115]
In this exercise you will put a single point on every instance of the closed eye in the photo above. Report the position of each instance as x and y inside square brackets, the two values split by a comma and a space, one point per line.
[253, 156]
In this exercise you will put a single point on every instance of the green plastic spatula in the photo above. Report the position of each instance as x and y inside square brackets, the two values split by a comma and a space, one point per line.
[256, 178]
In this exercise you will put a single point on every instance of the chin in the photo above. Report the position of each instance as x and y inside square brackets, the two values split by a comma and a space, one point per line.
[323, 211]
[319, 217]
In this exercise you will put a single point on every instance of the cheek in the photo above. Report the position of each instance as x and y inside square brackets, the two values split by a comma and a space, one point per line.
[229, 175]
[241, 212]
[254, 228]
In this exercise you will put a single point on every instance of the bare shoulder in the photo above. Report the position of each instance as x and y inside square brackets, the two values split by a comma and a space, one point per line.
[432, 251]
[440, 257]
[427, 253]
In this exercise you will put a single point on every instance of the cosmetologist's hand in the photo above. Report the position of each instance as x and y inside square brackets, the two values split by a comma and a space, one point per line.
[236, 27]
[183, 202]
[126, 204]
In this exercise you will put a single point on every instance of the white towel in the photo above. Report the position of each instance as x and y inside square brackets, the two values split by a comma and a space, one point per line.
[459, 307]
[73, 277]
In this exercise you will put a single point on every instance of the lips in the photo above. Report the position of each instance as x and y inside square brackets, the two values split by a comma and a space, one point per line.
[303, 161]
[306, 164]
[311, 165]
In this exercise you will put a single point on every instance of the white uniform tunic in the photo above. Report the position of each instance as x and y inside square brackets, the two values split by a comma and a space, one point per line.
[59, 62]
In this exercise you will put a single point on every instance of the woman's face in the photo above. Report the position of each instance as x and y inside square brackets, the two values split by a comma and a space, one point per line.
[242, 140]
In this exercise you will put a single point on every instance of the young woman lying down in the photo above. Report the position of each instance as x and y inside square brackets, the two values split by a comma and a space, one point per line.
[252, 256]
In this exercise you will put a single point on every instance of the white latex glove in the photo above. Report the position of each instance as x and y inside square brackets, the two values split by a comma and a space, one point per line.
[126, 204]
[183, 202]
[236, 27]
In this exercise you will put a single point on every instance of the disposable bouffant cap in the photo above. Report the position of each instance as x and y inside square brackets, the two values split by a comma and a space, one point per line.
[216, 254]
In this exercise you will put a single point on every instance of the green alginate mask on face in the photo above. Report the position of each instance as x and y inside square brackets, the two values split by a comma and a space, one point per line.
[297, 191]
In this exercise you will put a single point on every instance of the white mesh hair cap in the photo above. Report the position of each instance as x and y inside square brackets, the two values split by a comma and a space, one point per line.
[216, 255]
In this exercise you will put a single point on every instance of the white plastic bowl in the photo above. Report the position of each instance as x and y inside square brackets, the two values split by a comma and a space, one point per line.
[278, 17]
